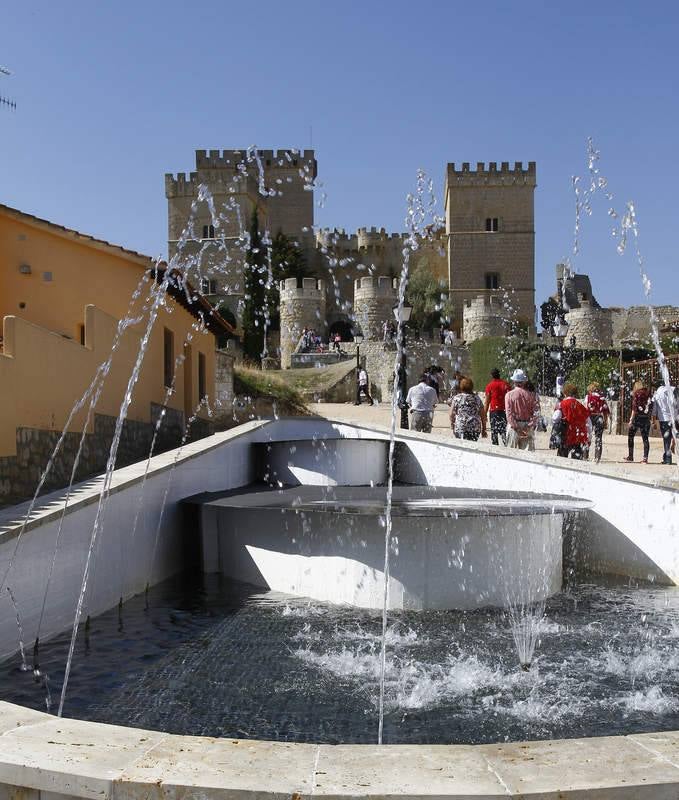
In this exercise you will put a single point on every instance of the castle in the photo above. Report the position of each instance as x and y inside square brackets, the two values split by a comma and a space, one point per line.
[485, 252]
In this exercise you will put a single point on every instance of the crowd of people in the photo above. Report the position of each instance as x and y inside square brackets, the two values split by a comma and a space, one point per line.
[511, 411]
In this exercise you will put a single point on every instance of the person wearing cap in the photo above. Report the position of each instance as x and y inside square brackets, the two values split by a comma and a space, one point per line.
[521, 414]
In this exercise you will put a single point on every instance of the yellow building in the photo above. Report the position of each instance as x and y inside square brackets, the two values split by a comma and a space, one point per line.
[62, 294]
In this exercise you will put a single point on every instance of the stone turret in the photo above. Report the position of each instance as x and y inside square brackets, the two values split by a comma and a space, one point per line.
[483, 316]
[374, 299]
[592, 326]
[301, 306]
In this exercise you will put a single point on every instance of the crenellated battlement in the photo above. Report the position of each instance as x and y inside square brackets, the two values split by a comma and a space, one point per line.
[271, 159]
[364, 237]
[181, 185]
[307, 289]
[485, 304]
[375, 286]
[491, 174]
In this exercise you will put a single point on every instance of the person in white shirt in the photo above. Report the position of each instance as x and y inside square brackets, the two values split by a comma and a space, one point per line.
[421, 400]
[666, 412]
[363, 387]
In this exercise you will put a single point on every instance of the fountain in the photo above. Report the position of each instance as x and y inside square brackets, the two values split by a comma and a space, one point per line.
[341, 585]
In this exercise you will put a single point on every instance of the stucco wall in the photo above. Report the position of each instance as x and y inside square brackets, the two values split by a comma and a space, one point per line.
[44, 368]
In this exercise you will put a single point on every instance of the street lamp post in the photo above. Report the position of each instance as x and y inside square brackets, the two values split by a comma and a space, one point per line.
[402, 314]
[358, 338]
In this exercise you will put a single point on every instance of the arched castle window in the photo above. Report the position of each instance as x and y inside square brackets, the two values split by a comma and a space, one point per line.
[492, 224]
[492, 280]
[208, 231]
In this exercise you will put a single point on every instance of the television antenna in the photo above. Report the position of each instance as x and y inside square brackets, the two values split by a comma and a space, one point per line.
[5, 101]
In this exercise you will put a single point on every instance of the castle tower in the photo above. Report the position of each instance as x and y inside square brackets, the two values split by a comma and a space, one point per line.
[300, 307]
[483, 316]
[591, 325]
[491, 235]
[282, 193]
[374, 299]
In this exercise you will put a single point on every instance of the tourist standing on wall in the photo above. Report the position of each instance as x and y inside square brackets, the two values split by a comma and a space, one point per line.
[520, 411]
[665, 411]
[599, 413]
[421, 400]
[576, 424]
[467, 413]
[363, 386]
[640, 420]
[494, 407]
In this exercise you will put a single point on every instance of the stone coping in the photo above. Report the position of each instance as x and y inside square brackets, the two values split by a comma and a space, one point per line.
[49, 506]
[91, 760]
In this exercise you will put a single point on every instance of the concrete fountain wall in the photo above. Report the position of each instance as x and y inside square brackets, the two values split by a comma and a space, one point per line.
[633, 529]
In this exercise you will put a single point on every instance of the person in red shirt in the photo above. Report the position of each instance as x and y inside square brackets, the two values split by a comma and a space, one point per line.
[598, 413]
[576, 437]
[495, 407]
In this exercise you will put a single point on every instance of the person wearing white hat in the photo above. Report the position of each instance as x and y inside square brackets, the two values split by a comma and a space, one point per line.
[520, 411]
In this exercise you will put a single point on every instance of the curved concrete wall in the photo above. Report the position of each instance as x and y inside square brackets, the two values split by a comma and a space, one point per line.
[438, 562]
[323, 462]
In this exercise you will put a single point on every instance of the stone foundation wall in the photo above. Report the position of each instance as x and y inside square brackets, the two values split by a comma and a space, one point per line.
[20, 474]
[420, 354]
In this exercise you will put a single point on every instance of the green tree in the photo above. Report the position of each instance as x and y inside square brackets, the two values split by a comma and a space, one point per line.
[255, 280]
[595, 368]
[428, 297]
[287, 261]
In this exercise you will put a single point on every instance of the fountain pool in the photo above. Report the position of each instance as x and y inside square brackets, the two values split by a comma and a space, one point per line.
[225, 659]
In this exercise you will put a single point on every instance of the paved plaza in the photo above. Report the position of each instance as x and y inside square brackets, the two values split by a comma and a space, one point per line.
[614, 451]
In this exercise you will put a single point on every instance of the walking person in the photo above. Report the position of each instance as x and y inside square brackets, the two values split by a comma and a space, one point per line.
[494, 407]
[363, 387]
[520, 411]
[421, 400]
[665, 411]
[467, 413]
[599, 412]
[640, 420]
[576, 424]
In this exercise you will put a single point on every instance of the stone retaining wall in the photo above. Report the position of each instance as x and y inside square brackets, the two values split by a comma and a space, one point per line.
[420, 353]
[20, 474]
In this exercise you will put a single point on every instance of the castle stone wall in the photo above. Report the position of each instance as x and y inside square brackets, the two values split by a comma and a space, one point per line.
[592, 327]
[301, 306]
[483, 316]
[374, 300]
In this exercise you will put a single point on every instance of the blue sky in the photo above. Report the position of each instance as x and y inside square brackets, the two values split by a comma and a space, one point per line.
[113, 95]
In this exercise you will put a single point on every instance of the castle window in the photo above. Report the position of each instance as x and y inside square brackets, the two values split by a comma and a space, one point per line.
[208, 231]
[201, 376]
[168, 357]
[492, 280]
[208, 286]
[492, 224]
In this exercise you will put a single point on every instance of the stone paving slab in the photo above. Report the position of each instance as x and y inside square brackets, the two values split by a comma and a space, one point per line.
[409, 771]
[208, 767]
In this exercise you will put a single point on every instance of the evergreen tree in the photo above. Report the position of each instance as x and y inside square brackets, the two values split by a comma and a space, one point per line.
[254, 282]
[428, 297]
[287, 261]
